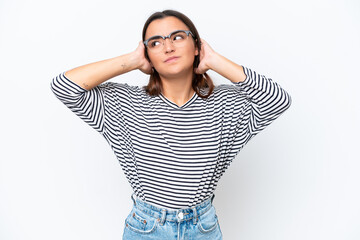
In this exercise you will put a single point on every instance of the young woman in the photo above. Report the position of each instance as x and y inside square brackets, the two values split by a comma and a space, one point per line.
[175, 137]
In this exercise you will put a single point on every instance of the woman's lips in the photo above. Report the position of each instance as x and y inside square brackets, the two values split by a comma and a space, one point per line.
[171, 59]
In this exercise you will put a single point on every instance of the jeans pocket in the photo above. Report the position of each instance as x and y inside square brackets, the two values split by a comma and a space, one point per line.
[140, 222]
[208, 221]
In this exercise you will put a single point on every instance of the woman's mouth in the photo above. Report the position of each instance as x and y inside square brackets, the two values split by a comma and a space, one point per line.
[171, 59]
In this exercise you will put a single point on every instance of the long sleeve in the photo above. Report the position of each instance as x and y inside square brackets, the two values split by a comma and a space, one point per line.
[87, 104]
[268, 100]
[249, 107]
[174, 156]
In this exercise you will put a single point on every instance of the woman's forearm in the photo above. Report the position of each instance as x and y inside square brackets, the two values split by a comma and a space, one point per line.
[90, 75]
[227, 68]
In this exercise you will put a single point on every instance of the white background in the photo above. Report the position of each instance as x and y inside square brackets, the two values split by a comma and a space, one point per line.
[298, 179]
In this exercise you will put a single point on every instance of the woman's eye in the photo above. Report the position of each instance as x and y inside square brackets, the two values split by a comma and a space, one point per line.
[178, 37]
[154, 43]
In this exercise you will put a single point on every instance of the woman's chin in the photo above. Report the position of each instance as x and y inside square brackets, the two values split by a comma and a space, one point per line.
[173, 72]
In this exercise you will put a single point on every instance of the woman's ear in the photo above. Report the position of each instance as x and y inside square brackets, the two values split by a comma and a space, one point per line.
[196, 48]
[148, 58]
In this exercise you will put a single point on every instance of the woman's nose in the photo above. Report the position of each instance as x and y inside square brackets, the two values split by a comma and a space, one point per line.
[168, 45]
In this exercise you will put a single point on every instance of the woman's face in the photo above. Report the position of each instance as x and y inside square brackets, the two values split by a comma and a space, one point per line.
[183, 63]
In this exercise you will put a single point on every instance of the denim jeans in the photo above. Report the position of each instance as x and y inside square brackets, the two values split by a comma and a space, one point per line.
[147, 221]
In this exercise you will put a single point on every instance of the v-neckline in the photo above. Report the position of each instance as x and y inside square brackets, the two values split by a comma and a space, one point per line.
[174, 105]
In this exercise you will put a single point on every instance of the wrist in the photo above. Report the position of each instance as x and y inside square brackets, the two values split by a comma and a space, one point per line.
[134, 60]
[215, 61]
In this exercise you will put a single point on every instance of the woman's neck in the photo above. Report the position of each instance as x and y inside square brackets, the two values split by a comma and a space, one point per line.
[178, 89]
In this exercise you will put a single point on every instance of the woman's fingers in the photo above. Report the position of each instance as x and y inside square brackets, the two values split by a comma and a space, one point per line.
[207, 58]
[143, 63]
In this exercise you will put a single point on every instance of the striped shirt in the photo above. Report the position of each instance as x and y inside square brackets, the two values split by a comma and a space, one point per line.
[173, 156]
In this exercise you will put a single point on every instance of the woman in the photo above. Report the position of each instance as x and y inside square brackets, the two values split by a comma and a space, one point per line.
[175, 137]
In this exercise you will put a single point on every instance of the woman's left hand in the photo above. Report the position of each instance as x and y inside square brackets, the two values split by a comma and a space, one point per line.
[207, 55]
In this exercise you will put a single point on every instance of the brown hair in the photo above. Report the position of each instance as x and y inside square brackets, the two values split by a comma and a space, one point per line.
[199, 81]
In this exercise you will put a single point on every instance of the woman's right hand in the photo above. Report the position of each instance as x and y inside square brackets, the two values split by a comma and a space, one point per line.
[143, 63]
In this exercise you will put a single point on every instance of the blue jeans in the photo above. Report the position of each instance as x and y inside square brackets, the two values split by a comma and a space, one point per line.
[147, 221]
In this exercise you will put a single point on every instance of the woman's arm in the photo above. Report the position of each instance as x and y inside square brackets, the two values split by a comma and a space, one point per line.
[209, 59]
[81, 89]
[93, 74]
[266, 99]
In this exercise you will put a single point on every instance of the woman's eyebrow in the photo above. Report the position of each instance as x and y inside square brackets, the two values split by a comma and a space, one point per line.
[159, 35]
[156, 36]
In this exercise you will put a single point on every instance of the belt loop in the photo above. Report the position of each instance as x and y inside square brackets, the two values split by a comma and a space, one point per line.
[132, 197]
[212, 198]
[195, 215]
[163, 215]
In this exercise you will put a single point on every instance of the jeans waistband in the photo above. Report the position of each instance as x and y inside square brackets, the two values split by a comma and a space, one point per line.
[172, 215]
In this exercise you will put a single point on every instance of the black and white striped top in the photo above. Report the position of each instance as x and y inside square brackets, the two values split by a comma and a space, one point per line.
[174, 156]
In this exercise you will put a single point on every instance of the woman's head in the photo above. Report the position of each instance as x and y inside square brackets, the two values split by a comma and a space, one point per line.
[180, 45]
[164, 23]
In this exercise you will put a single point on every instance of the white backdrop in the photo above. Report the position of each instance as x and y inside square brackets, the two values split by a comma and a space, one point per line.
[298, 179]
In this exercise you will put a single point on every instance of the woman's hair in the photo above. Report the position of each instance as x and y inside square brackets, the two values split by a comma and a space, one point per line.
[199, 81]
